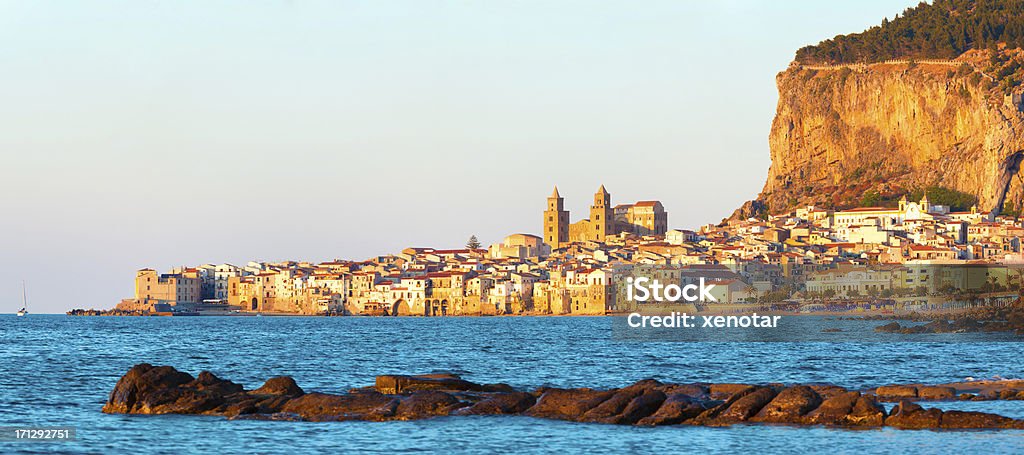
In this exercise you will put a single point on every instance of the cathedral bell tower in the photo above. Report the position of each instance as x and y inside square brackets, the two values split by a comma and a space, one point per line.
[556, 222]
[602, 216]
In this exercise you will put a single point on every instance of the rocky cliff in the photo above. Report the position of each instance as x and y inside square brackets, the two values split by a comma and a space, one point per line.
[888, 128]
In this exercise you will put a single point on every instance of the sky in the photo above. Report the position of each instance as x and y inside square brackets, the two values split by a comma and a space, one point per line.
[145, 133]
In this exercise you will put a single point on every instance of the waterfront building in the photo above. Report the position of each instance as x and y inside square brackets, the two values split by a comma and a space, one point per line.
[184, 287]
[574, 268]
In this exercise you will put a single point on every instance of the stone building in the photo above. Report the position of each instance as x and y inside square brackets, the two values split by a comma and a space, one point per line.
[642, 218]
[602, 217]
[605, 222]
[520, 246]
[597, 228]
[556, 222]
[169, 288]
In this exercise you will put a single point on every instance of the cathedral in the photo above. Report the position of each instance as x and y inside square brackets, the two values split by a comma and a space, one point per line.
[642, 218]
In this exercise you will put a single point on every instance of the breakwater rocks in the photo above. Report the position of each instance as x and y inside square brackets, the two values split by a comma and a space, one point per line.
[114, 312]
[984, 390]
[147, 389]
[1004, 319]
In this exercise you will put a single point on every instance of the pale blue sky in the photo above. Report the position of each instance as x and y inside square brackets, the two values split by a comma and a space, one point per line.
[157, 133]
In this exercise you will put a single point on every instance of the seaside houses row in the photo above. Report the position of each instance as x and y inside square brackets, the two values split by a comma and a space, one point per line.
[579, 270]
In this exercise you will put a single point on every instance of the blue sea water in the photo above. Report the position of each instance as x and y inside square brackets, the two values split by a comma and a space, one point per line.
[59, 370]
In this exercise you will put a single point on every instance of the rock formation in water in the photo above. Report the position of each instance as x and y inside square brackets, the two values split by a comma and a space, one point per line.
[886, 129]
[985, 319]
[147, 389]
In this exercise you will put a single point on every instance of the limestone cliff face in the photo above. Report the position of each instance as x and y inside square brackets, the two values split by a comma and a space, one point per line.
[890, 128]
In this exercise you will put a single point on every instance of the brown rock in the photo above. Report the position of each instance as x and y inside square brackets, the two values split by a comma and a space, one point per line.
[746, 406]
[243, 407]
[896, 392]
[709, 417]
[641, 407]
[676, 408]
[504, 403]
[142, 381]
[206, 394]
[611, 410]
[644, 385]
[608, 409]
[263, 405]
[208, 382]
[826, 391]
[725, 391]
[159, 390]
[354, 406]
[693, 390]
[907, 414]
[268, 399]
[866, 412]
[426, 403]
[627, 406]
[280, 385]
[567, 404]
[936, 393]
[834, 410]
[393, 384]
[965, 419]
[789, 406]
[892, 327]
[1007, 394]
[146, 389]
[181, 401]
[497, 388]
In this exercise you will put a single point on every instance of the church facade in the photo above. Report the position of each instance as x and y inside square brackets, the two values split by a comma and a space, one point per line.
[887, 218]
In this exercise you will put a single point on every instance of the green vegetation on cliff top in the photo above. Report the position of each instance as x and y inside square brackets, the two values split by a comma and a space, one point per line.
[941, 30]
[937, 195]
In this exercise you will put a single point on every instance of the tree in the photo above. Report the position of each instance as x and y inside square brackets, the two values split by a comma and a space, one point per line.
[473, 243]
[939, 29]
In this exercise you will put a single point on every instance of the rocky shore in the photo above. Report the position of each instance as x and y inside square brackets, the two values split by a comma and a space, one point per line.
[112, 312]
[1001, 319]
[147, 389]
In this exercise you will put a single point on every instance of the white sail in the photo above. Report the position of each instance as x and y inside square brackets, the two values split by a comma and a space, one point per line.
[24, 301]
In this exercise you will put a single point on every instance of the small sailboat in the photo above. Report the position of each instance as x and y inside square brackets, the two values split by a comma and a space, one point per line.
[24, 301]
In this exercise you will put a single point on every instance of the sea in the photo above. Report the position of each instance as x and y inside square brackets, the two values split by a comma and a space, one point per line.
[57, 371]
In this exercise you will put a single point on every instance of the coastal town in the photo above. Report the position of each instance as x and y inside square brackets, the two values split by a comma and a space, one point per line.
[914, 256]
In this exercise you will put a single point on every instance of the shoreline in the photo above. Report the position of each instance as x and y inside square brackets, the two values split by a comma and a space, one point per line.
[880, 315]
